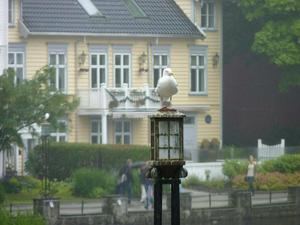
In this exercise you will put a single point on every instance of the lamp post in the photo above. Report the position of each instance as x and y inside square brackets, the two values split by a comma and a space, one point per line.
[167, 160]
[45, 154]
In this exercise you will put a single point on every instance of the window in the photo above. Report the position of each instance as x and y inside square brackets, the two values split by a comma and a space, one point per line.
[160, 62]
[57, 60]
[134, 9]
[98, 69]
[122, 132]
[208, 14]
[90, 8]
[198, 69]
[96, 131]
[122, 62]
[60, 135]
[198, 78]
[16, 62]
[11, 12]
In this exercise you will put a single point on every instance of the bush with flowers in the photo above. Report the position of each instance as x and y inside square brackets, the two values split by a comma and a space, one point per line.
[269, 181]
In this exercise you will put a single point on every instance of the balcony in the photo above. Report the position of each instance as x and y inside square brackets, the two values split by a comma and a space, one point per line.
[99, 100]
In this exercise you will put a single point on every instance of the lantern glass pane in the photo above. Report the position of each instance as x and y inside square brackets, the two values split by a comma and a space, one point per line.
[163, 145]
[163, 153]
[174, 153]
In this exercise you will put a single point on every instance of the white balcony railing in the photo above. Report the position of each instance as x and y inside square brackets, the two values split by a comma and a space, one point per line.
[119, 98]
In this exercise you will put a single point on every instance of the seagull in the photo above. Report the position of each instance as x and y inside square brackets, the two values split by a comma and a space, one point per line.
[166, 87]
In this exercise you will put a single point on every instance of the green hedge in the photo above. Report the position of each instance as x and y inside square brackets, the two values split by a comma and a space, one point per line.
[2, 194]
[65, 158]
[284, 164]
[92, 183]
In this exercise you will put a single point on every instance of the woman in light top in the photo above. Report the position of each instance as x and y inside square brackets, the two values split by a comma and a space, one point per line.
[251, 173]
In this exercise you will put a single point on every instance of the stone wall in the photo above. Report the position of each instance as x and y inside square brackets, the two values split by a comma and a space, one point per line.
[239, 212]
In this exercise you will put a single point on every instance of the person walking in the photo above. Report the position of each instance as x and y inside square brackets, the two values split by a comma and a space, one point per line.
[128, 179]
[143, 182]
[250, 177]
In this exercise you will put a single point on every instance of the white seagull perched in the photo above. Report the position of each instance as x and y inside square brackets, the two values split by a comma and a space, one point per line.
[166, 87]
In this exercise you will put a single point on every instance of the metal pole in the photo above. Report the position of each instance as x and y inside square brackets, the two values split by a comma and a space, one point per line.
[157, 202]
[82, 206]
[175, 202]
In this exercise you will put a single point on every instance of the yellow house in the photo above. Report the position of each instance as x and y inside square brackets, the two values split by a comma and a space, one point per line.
[110, 53]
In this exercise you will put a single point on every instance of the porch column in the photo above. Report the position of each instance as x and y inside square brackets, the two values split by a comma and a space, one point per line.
[104, 128]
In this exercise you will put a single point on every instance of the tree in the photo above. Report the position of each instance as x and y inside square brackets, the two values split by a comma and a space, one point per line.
[279, 34]
[25, 104]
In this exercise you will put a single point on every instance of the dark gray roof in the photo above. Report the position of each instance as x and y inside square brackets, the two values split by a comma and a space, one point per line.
[163, 18]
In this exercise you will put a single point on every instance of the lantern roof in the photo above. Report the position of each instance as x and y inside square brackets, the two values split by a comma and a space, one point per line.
[167, 113]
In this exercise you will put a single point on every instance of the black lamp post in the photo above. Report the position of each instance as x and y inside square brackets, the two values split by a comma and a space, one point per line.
[45, 154]
[167, 160]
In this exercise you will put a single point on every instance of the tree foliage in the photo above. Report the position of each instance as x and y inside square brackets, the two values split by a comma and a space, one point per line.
[279, 34]
[25, 104]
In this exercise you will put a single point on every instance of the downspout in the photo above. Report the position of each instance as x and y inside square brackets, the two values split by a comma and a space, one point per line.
[76, 87]
[221, 75]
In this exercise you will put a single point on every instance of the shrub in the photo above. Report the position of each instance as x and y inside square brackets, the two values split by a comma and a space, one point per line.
[12, 185]
[194, 181]
[233, 152]
[2, 194]
[29, 183]
[232, 168]
[190, 181]
[20, 219]
[92, 183]
[284, 164]
[65, 158]
[269, 181]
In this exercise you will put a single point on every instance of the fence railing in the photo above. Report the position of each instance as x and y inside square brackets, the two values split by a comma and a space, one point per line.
[199, 200]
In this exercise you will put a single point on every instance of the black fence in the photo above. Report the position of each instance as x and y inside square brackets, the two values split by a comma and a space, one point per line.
[199, 200]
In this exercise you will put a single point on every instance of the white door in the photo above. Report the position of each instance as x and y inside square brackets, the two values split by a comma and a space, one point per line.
[190, 138]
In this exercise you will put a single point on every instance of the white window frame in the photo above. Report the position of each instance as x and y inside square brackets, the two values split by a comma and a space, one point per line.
[159, 67]
[160, 50]
[97, 134]
[57, 135]
[15, 65]
[98, 67]
[198, 50]
[11, 12]
[205, 4]
[58, 66]
[122, 67]
[123, 133]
